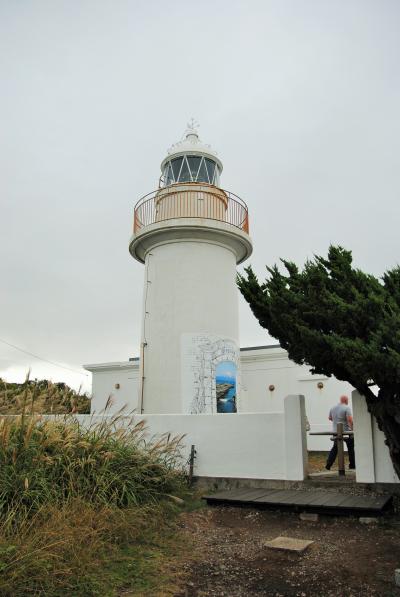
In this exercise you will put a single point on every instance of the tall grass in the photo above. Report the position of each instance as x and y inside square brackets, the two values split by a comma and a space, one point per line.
[41, 396]
[85, 503]
[106, 462]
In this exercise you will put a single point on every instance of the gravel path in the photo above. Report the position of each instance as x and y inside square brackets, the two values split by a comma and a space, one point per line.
[230, 559]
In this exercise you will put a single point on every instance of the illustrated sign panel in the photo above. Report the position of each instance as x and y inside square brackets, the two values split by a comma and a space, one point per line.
[209, 374]
[225, 385]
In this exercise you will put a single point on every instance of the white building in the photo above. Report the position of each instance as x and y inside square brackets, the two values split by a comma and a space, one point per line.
[267, 376]
[242, 408]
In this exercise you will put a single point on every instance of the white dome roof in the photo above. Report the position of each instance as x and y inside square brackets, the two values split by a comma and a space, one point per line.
[191, 144]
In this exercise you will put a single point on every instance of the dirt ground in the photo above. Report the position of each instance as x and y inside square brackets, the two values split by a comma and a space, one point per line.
[317, 461]
[229, 557]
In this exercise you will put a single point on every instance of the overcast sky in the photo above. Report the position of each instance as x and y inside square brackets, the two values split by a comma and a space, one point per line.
[300, 98]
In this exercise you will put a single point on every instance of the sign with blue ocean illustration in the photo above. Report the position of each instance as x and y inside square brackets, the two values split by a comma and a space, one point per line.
[209, 374]
[225, 385]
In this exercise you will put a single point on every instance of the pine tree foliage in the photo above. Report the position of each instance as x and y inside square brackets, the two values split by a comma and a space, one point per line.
[339, 321]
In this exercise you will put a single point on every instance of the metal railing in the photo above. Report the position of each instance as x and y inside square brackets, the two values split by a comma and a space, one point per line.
[200, 201]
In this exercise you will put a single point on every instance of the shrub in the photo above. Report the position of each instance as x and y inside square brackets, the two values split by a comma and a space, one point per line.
[85, 504]
[42, 397]
[106, 462]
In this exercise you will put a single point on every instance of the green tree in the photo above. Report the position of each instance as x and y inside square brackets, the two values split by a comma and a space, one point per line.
[339, 321]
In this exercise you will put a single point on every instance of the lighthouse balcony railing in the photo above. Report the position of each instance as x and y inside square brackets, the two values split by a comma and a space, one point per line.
[191, 200]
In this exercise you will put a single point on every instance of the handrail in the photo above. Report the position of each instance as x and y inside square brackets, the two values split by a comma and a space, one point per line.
[339, 435]
[191, 200]
[333, 433]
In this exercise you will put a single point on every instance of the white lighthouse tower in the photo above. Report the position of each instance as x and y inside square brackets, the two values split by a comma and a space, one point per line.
[190, 234]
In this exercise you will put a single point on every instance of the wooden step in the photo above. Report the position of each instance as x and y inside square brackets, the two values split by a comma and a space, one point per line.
[323, 502]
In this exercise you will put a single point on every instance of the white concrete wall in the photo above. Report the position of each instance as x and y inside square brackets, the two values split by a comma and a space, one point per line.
[190, 288]
[373, 462]
[262, 367]
[106, 377]
[252, 445]
[295, 437]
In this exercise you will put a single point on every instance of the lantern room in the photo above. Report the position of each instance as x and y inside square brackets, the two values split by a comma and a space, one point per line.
[190, 160]
[189, 196]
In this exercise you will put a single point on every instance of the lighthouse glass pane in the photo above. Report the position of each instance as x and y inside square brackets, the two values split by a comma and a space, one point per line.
[194, 163]
[185, 174]
[211, 170]
[169, 179]
[202, 175]
[176, 166]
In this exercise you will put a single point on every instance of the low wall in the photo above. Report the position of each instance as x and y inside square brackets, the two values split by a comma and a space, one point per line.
[251, 445]
[373, 463]
[240, 445]
[231, 445]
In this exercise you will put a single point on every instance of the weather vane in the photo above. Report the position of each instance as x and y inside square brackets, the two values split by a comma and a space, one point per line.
[192, 125]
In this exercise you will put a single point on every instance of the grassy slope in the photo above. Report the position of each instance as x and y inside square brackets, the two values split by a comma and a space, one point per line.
[86, 511]
[80, 551]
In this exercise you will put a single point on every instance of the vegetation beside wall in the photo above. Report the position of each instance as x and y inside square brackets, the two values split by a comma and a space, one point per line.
[87, 509]
[41, 396]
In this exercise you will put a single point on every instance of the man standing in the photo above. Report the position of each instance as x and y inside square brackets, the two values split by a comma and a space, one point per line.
[341, 413]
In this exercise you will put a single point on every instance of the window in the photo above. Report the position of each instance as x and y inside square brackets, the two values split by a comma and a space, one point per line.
[192, 168]
[202, 175]
[169, 178]
[176, 167]
[194, 163]
[184, 176]
[211, 170]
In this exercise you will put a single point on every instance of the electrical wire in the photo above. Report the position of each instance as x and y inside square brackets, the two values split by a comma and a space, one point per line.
[44, 360]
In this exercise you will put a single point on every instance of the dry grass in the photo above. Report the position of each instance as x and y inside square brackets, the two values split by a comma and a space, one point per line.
[41, 397]
[317, 461]
[85, 508]
[106, 462]
[87, 551]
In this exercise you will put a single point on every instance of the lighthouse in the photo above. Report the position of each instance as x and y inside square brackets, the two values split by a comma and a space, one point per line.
[190, 234]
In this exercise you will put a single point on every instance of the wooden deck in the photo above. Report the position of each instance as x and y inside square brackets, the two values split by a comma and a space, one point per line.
[297, 500]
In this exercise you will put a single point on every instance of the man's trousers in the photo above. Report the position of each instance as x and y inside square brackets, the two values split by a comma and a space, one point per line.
[350, 449]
